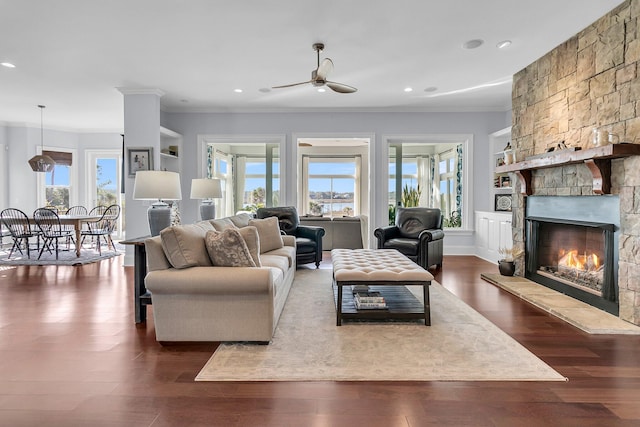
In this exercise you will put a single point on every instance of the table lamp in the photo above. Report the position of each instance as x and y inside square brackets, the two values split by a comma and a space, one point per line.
[159, 186]
[206, 189]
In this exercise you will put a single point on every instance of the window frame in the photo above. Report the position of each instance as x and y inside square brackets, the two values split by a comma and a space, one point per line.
[356, 159]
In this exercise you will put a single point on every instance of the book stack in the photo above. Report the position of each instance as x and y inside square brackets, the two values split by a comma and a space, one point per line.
[369, 301]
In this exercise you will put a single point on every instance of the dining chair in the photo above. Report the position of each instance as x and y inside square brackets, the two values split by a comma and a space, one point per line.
[78, 210]
[103, 227]
[19, 226]
[49, 223]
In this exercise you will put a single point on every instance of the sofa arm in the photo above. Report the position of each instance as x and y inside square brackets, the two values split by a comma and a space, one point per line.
[156, 259]
[289, 240]
[211, 281]
[385, 233]
[431, 235]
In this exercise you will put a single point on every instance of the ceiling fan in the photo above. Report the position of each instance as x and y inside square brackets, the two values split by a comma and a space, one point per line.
[319, 75]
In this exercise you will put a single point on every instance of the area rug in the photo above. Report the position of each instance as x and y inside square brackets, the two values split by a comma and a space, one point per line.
[460, 345]
[87, 255]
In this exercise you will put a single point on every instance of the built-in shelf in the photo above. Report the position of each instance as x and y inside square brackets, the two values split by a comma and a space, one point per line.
[597, 160]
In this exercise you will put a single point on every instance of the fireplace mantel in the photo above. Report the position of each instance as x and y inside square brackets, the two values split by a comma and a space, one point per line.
[597, 159]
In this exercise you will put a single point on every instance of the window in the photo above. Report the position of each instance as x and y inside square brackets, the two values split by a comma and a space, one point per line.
[427, 174]
[58, 181]
[249, 175]
[447, 182]
[409, 177]
[331, 185]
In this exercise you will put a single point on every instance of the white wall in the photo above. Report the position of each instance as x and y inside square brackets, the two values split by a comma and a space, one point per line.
[190, 125]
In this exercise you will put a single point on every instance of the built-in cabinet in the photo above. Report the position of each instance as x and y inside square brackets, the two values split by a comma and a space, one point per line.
[500, 183]
[170, 150]
[493, 231]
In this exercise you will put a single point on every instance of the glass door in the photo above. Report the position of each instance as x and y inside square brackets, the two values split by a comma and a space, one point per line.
[104, 183]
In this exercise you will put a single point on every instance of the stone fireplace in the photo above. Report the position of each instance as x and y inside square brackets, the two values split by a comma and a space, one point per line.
[590, 81]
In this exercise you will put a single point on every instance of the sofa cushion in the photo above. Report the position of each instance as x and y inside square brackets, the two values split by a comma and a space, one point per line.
[240, 220]
[269, 232]
[289, 252]
[275, 261]
[251, 238]
[221, 224]
[228, 249]
[206, 225]
[183, 245]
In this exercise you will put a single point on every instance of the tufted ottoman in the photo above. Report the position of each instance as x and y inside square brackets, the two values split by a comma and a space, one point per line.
[386, 271]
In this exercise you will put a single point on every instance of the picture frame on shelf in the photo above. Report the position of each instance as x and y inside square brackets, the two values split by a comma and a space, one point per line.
[139, 159]
[503, 203]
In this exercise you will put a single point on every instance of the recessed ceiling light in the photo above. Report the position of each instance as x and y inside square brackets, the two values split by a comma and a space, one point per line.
[472, 44]
[322, 89]
[237, 90]
[431, 89]
[503, 44]
[408, 89]
[7, 64]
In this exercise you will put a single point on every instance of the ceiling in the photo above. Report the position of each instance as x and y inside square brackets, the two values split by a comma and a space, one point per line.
[71, 55]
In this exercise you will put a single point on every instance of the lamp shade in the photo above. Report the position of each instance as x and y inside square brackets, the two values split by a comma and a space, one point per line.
[41, 163]
[204, 188]
[157, 185]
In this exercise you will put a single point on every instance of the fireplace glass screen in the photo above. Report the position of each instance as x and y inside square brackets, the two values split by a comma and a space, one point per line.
[573, 255]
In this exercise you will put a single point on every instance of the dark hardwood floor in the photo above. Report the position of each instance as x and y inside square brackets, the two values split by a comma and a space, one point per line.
[71, 355]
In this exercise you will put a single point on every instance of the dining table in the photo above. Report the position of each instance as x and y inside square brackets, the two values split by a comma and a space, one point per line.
[76, 221]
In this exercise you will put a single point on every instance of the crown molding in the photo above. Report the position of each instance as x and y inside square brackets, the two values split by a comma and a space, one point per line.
[140, 91]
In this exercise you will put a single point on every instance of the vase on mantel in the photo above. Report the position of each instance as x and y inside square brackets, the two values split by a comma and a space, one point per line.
[507, 268]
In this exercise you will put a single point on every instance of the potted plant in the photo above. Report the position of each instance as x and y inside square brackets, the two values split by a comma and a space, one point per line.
[411, 196]
[506, 264]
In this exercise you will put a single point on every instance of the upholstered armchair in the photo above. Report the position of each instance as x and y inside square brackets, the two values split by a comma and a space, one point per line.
[308, 238]
[417, 234]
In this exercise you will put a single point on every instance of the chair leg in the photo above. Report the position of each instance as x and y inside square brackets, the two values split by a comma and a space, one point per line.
[44, 246]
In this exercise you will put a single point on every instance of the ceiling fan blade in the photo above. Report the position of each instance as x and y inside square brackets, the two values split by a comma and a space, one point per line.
[341, 88]
[325, 67]
[293, 84]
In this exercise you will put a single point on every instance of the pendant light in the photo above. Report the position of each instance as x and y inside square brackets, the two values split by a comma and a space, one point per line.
[41, 162]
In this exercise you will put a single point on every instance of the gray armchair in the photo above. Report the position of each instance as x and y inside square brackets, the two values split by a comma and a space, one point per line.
[308, 238]
[417, 234]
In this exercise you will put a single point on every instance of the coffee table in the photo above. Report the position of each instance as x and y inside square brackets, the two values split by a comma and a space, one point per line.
[386, 271]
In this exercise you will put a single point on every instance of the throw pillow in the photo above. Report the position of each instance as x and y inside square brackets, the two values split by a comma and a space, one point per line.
[228, 249]
[222, 223]
[269, 233]
[241, 219]
[183, 245]
[251, 238]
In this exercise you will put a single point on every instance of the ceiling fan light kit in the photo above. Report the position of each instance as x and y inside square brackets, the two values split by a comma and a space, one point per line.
[320, 74]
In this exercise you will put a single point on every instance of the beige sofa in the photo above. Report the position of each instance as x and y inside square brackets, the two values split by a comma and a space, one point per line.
[212, 303]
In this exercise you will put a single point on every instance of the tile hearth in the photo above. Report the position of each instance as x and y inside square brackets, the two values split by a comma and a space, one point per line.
[581, 315]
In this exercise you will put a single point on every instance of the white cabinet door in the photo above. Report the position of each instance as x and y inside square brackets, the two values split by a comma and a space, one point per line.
[493, 231]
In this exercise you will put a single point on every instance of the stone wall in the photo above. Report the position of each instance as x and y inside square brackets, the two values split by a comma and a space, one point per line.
[591, 80]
